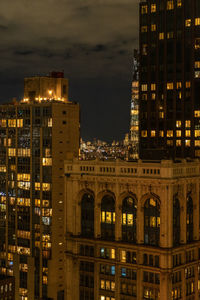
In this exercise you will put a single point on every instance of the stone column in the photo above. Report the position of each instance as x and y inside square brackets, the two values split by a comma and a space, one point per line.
[166, 217]
[165, 285]
[140, 218]
[195, 197]
[183, 215]
[97, 220]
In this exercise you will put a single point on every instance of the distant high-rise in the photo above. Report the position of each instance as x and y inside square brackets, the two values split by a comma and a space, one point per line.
[134, 123]
[169, 75]
[36, 136]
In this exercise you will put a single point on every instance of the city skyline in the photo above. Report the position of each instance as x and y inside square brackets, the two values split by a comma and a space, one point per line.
[93, 42]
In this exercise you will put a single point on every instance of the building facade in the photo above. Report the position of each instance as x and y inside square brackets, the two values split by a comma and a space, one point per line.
[169, 79]
[132, 230]
[36, 135]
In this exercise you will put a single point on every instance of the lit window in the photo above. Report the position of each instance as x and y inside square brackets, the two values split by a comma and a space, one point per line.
[187, 133]
[187, 143]
[178, 133]
[197, 74]
[187, 123]
[144, 9]
[170, 4]
[144, 49]
[153, 7]
[170, 85]
[46, 161]
[179, 3]
[197, 113]
[46, 186]
[179, 95]
[188, 22]
[144, 133]
[153, 27]
[178, 143]
[144, 87]
[24, 152]
[187, 84]
[153, 87]
[178, 85]
[197, 133]
[161, 114]
[169, 133]
[197, 143]
[11, 151]
[197, 64]
[161, 36]
[37, 186]
[23, 177]
[161, 133]
[170, 35]
[170, 143]
[3, 123]
[197, 21]
[19, 122]
[112, 253]
[153, 96]
[2, 168]
[178, 123]
[37, 202]
[153, 133]
[144, 29]
[50, 122]
[102, 284]
[197, 44]
[144, 96]
[11, 123]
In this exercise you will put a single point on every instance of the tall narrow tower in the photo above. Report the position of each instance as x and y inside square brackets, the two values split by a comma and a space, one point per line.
[169, 78]
[36, 136]
[134, 123]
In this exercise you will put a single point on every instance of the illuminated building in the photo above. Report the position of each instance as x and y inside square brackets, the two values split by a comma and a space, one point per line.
[134, 124]
[169, 79]
[132, 230]
[36, 135]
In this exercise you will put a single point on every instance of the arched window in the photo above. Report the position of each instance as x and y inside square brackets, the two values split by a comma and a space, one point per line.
[87, 215]
[176, 222]
[108, 217]
[189, 219]
[152, 222]
[129, 214]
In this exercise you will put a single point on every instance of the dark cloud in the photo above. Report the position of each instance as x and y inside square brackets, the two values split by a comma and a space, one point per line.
[92, 40]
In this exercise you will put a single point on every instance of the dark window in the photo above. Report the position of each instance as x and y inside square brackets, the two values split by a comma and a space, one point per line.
[189, 219]
[152, 222]
[108, 217]
[87, 215]
[129, 214]
[176, 222]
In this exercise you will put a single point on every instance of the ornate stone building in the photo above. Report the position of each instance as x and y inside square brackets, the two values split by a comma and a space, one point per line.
[132, 230]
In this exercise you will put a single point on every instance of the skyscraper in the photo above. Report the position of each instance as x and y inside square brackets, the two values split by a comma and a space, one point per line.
[169, 78]
[36, 135]
[134, 123]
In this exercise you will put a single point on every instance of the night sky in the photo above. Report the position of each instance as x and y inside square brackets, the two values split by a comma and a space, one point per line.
[91, 40]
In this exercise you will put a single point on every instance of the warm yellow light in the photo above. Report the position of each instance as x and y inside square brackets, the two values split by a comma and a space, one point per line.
[50, 92]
